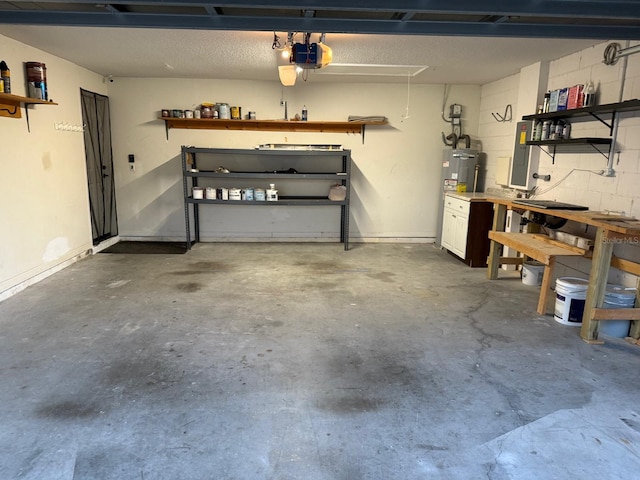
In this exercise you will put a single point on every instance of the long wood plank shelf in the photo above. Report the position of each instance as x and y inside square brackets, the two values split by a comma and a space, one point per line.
[355, 127]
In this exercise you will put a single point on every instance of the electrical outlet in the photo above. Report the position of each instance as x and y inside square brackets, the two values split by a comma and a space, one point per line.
[132, 167]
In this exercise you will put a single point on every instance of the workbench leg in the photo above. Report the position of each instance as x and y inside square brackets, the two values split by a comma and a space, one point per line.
[634, 331]
[546, 286]
[597, 286]
[499, 218]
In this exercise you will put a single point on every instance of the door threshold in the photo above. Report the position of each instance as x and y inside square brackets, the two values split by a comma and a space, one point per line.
[105, 244]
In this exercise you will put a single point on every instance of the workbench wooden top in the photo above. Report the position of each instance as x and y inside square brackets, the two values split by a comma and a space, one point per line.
[614, 223]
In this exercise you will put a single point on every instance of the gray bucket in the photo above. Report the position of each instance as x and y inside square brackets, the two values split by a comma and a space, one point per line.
[617, 296]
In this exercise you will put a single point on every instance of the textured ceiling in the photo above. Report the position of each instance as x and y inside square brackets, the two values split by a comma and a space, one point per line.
[462, 41]
[124, 52]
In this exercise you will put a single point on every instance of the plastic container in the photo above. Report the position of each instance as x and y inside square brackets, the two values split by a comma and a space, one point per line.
[532, 273]
[272, 193]
[571, 293]
[617, 296]
[259, 195]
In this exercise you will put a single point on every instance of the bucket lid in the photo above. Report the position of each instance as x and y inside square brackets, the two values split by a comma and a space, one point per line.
[620, 292]
[533, 265]
[572, 282]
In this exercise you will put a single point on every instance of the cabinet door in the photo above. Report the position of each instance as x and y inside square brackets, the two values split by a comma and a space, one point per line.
[448, 229]
[454, 232]
[461, 227]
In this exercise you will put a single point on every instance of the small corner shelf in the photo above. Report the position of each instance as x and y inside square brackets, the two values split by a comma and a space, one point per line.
[355, 127]
[11, 106]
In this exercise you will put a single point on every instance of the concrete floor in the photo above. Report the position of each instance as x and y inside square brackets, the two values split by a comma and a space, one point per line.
[281, 361]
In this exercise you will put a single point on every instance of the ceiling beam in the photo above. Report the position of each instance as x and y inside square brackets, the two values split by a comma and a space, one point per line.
[612, 9]
[288, 24]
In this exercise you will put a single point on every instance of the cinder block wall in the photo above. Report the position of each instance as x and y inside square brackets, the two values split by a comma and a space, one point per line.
[575, 178]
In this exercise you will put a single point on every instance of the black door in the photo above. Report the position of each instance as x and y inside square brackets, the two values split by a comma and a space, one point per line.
[97, 146]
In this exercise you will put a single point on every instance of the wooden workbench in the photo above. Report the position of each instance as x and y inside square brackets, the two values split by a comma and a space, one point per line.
[610, 230]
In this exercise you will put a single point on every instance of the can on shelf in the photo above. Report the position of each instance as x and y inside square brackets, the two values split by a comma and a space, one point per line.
[236, 113]
[197, 193]
[223, 110]
[247, 194]
[37, 80]
[235, 194]
[259, 195]
[206, 112]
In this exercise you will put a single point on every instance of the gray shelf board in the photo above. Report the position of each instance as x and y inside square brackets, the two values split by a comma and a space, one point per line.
[627, 106]
[298, 176]
[572, 141]
[280, 202]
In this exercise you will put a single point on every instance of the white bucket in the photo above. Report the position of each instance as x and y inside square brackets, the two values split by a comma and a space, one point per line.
[571, 293]
[532, 273]
[616, 296]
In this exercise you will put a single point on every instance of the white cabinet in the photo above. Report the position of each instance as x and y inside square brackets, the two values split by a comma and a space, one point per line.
[465, 229]
[455, 225]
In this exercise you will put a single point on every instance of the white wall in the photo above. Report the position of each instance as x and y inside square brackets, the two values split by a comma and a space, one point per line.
[574, 177]
[395, 173]
[44, 213]
[45, 217]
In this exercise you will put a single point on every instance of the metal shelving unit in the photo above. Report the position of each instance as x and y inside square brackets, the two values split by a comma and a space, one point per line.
[192, 158]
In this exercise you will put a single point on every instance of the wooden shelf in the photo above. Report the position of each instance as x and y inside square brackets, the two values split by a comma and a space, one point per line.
[11, 106]
[270, 125]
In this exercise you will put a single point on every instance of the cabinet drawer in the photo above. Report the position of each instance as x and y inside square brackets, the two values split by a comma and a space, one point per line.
[457, 205]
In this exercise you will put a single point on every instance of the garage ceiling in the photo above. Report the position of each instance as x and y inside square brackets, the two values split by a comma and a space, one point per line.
[464, 41]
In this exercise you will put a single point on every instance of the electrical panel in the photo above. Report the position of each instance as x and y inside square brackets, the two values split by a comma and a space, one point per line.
[455, 112]
[520, 162]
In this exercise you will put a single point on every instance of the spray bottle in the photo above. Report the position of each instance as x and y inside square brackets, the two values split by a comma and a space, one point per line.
[589, 95]
[5, 74]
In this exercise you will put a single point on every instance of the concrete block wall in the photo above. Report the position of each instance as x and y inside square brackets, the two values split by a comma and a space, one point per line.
[497, 137]
[577, 177]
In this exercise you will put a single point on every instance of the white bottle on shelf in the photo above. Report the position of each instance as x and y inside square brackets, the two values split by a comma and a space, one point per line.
[272, 193]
